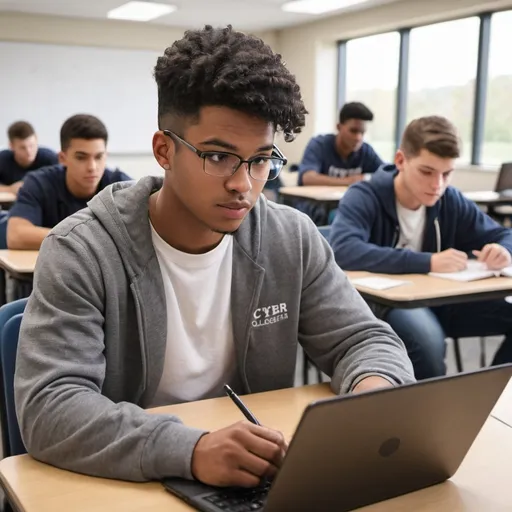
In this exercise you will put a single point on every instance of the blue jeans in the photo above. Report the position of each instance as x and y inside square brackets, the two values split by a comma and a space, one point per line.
[424, 330]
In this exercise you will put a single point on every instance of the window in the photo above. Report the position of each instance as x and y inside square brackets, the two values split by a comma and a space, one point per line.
[442, 72]
[497, 147]
[372, 78]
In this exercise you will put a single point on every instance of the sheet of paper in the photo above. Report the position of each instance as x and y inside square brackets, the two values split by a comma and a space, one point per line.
[465, 275]
[379, 283]
[475, 271]
[507, 272]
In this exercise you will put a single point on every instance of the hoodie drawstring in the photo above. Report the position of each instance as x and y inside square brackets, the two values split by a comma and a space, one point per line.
[438, 234]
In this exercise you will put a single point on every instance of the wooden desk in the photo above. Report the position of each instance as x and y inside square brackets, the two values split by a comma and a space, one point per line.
[481, 484]
[428, 291]
[328, 197]
[20, 266]
[6, 200]
[319, 193]
[18, 262]
[503, 409]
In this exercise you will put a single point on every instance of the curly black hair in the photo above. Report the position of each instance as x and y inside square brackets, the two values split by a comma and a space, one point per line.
[223, 67]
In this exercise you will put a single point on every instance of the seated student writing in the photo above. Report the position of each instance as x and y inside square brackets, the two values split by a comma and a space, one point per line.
[343, 158]
[51, 194]
[164, 290]
[23, 156]
[408, 219]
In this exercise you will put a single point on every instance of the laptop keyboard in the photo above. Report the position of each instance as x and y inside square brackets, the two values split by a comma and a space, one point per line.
[240, 500]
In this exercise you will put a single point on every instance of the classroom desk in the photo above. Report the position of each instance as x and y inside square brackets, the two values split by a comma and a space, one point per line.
[503, 408]
[20, 266]
[6, 200]
[328, 197]
[481, 484]
[428, 291]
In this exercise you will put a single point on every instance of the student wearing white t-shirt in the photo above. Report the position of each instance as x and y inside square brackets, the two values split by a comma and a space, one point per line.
[163, 290]
[408, 219]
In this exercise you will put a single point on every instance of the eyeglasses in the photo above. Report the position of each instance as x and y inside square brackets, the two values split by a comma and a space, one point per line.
[223, 164]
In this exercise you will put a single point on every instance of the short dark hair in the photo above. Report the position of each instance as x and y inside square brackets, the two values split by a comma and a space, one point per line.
[355, 110]
[223, 67]
[20, 130]
[436, 134]
[82, 126]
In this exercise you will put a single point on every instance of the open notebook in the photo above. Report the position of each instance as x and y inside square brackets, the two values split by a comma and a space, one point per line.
[474, 271]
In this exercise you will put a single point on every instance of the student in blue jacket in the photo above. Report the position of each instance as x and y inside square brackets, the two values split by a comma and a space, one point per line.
[408, 219]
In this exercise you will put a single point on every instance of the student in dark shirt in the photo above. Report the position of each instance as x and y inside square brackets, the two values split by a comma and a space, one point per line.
[343, 158]
[51, 194]
[23, 156]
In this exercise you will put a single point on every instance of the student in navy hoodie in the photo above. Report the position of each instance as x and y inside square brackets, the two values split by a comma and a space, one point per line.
[408, 219]
[51, 194]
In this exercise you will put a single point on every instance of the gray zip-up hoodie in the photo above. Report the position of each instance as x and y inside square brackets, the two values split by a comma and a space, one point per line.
[93, 337]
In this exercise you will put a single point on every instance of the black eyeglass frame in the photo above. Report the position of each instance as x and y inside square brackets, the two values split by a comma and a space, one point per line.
[276, 155]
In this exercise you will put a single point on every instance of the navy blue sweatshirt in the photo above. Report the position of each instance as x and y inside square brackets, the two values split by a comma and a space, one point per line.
[366, 230]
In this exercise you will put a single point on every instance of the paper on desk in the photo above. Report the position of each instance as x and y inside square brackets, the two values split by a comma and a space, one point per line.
[507, 272]
[475, 271]
[378, 283]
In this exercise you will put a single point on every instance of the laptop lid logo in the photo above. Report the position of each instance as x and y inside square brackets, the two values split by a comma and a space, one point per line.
[389, 447]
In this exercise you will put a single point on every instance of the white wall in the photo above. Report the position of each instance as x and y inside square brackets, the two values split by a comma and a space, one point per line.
[310, 53]
[99, 33]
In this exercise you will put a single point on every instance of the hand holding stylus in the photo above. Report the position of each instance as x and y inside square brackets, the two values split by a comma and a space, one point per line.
[241, 455]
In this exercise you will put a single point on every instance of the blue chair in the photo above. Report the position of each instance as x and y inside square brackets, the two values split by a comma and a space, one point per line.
[8, 348]
[325, 230]
[4, 216]
[7, 312]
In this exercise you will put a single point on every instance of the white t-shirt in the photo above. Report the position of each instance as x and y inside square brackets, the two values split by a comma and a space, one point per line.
[200, 352]
[412, 227]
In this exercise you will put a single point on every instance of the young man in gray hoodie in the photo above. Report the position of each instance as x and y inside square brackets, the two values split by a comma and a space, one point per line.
[162, 291]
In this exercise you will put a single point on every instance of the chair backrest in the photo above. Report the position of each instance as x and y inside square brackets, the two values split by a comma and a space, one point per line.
[8, 348]
[504, 181]
[4, 216]
[7, 311]
[325, 231]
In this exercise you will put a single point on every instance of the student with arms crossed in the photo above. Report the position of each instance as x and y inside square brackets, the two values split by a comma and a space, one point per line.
[408, 219]
[53, 193]
[164, 290]
[23, 156]
[343, 158]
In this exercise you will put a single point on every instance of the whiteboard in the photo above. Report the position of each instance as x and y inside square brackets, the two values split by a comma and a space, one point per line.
[45, 84]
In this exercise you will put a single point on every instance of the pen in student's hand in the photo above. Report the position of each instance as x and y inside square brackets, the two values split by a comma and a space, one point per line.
[243, 408]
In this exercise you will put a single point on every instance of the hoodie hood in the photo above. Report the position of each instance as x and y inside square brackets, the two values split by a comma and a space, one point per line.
[382, 184]
[123, 208]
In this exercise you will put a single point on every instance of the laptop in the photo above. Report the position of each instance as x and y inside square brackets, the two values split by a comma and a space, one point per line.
[355, 450]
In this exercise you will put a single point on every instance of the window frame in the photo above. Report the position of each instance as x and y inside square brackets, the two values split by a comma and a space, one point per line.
[481, 80]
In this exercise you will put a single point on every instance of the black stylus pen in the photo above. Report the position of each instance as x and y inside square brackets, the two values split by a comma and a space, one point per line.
[243, 408]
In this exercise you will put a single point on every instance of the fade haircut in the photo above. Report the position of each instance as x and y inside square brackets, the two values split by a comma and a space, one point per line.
[82, 126]
[355, 110]
[20, 130]
[435, 134]
[226, 68]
